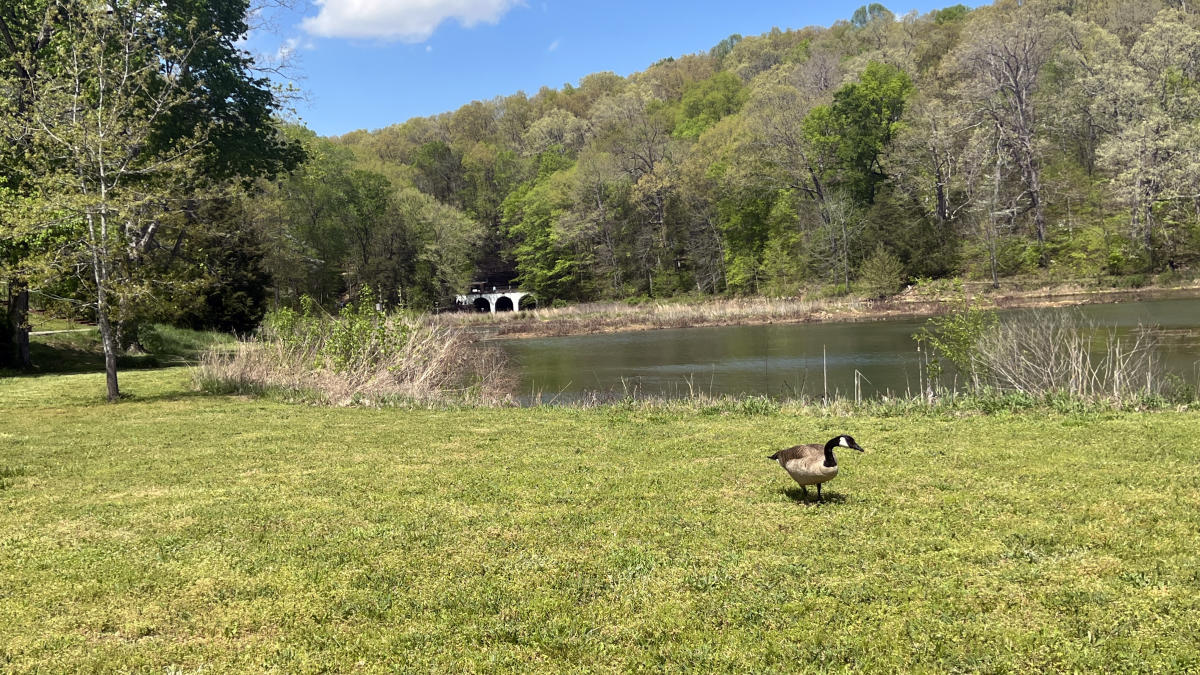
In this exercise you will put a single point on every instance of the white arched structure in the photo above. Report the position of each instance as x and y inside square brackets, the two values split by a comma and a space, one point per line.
[504, 301]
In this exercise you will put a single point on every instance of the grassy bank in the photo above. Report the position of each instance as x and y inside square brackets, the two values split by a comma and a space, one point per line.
[188, 531]
[919, 300]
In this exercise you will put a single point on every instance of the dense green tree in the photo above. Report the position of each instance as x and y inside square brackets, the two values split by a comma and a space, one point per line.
[866, 117]
[127, 117]
[547, 263]
[706, 103]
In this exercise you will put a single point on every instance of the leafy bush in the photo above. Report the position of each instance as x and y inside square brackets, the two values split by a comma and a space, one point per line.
[1015, 255]
[955, 336]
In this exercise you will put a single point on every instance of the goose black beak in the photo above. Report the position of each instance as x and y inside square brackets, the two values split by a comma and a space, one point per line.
[857, 447]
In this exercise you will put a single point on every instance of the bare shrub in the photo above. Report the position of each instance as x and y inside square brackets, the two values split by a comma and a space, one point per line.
[361, 356]
[1043, 352]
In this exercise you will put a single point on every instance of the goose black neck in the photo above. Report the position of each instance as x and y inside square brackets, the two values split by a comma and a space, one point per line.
[830, 460]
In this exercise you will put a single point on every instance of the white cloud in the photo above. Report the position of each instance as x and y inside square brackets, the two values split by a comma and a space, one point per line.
[288, 48]
[553, 46]
[407, 20]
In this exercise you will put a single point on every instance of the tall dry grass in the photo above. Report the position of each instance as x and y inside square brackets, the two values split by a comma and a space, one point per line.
[1062, 352]
[362, 356]
[601, 317]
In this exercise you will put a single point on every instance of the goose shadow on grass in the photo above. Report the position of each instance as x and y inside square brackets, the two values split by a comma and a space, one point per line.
[796, 494]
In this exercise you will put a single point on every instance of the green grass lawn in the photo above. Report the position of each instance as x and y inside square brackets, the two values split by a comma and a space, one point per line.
[194, 532]
[40, 321]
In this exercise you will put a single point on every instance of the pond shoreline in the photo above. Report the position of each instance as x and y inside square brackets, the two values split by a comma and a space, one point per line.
[615, 317]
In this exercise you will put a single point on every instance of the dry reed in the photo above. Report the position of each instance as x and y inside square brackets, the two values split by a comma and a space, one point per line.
[1061, 352]
[602, 317]
[427, 364]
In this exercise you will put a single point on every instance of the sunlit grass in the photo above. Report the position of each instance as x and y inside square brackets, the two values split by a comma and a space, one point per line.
[45, 322]
[219, 533]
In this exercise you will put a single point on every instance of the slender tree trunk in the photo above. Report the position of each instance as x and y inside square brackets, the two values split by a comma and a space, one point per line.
[19, 315]
[992, 233]
[845, 256]
[1033, 184]
[101, 274]
[14, 343]
[109, 341]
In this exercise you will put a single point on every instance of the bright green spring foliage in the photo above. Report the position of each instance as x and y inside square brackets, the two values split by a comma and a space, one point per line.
[361, 333]
[707, 102]
[954, 336]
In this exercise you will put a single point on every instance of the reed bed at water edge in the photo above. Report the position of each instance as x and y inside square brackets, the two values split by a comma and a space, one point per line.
[361, 356]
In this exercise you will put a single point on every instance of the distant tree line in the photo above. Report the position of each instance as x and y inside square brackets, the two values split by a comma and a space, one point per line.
[1050, 137]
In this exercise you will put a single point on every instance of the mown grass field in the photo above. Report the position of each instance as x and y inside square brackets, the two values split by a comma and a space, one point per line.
[176, 531]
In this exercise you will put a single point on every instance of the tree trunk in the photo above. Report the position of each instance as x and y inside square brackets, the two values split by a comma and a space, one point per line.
[1033, 184]
[14, 343]
[845, 256]
[110, 350]
[100, 272]
[993, 232]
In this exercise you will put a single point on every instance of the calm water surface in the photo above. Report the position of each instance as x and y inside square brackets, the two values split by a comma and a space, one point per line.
[787, 360]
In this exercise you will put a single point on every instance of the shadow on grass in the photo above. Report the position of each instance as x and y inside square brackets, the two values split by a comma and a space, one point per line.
[167, 396]
[60, 359]
[797, 495]
[80, 353]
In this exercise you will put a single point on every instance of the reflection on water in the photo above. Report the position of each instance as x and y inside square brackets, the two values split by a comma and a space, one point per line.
[789, 360]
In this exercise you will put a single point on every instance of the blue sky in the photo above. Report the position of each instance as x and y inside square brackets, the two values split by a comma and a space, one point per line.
[366, 64]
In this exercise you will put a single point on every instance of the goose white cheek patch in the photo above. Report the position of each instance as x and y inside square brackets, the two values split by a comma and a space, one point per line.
[842, 442]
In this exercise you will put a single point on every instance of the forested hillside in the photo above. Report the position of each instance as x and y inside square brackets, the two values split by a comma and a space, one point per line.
[1057, 137]
[1054, 138]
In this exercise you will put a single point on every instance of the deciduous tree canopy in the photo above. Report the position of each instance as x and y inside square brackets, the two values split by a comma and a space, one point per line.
[1058, 139]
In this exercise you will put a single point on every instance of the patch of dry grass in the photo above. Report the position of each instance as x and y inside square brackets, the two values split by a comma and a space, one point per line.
[419, 362]
[603, 317]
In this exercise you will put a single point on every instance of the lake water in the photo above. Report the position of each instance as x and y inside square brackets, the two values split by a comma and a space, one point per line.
[788, 360]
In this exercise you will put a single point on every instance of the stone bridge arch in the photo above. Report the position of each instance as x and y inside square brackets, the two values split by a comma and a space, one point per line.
[495, 300]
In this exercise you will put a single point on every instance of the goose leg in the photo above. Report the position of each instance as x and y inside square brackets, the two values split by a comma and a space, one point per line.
[819, 492]
[804, 491]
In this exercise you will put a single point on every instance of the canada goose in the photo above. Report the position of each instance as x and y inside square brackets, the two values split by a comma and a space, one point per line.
[813, 464]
